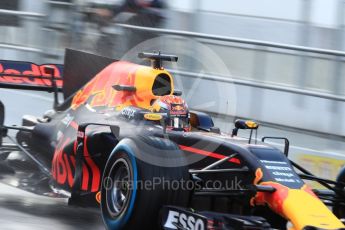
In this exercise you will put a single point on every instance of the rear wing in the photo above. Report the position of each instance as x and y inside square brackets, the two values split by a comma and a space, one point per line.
[30, 76]
[79, 68]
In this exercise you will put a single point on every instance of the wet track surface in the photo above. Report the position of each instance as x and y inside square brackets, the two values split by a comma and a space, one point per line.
[23, 210]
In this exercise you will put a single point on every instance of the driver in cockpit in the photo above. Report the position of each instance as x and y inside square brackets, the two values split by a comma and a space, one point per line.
[177, 112]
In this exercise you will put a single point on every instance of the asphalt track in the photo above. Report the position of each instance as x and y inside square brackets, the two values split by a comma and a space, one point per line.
[23, 210]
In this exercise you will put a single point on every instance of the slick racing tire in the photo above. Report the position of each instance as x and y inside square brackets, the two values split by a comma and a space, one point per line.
[133, 191]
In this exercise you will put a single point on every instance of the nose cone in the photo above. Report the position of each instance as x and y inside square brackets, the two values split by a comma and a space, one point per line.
[303, 209]
[300, 206]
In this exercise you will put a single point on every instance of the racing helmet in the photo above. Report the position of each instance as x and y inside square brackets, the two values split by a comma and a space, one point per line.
[176, 110]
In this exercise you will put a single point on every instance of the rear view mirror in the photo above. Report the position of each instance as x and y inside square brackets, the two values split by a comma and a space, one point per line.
[246, 124]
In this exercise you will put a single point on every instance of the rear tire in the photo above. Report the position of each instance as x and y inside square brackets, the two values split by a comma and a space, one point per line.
[131, 202]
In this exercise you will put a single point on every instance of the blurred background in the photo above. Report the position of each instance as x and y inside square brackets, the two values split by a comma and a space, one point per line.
[283, 61]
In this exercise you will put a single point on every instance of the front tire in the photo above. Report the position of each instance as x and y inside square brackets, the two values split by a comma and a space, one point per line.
[133, 191]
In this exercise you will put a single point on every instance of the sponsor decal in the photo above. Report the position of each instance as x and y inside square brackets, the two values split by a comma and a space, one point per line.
[278, 168]
[177, 109]
[282, 173]
[273, 162]
[178, 220]
[128, 113]
[19, 73]
[64, 163]
[285, 180]
[61, 166]
[153, 117]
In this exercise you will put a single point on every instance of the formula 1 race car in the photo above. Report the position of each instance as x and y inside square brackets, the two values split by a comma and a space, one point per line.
[125, 140]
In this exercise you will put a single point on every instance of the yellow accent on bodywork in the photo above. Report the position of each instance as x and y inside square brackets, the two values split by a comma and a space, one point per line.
[153, 117]
[303, 209]
[251, 124]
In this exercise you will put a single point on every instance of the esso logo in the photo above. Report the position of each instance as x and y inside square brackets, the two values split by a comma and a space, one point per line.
[186, 221]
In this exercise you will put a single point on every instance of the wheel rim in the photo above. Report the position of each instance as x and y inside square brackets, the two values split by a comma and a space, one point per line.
[119, 195]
